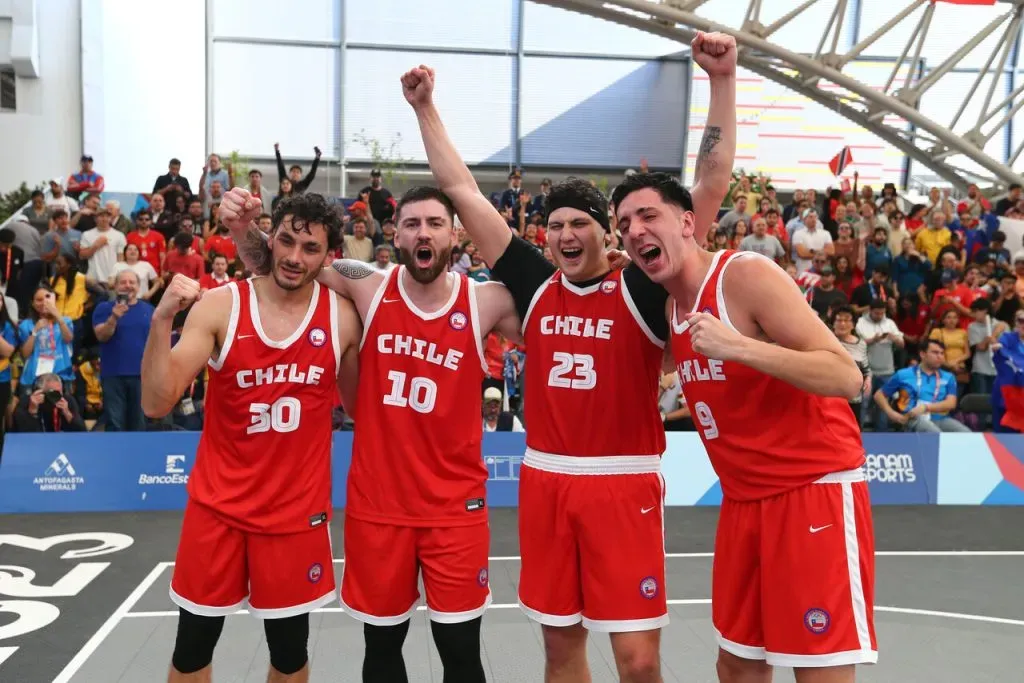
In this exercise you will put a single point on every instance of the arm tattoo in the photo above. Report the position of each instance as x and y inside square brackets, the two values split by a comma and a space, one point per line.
[255, 253]
[352, 269]
[712, 136]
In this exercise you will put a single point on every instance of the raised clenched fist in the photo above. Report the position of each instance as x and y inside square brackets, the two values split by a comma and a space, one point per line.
[179, 295]
[715, 53]
[418, 86]
[238, 208]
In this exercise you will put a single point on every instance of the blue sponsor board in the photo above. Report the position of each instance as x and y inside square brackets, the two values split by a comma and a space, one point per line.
[902, 469]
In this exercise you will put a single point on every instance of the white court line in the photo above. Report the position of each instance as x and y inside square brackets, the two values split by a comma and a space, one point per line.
[700, 601]
[6, 652]
[90, 647]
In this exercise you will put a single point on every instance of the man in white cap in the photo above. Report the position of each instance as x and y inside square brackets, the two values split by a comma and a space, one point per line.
[60, 200]
[496, 419]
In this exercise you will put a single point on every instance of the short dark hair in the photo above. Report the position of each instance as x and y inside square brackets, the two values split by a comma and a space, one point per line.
[845, 309]
[144, 212]
[174, 162]
[877, 304]
[668, 188]
[931, 341]
[37, 193]
[295, 167]
[999, 236]
[265, 215]
[58, 213]
[1014, 186]
[981, 304]
[424, 193]
[311, 208]
[195, 200]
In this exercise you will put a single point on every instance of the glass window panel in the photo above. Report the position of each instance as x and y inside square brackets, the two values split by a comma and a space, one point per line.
[437, 23]
[600, 112]
[552, 29]
[800, 35]
[473, 94]
[306, 20]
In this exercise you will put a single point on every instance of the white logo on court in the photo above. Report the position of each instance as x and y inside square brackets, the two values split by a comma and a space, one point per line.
[644, 511]
[816, 529]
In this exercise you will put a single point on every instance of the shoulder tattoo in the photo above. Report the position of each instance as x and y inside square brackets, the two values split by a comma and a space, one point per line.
[352, 269]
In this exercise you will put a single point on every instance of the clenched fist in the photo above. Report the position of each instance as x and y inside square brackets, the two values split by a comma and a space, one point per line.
[238, 208]
[179, 295]
[710, 337]
[715, 53]
[418, 86]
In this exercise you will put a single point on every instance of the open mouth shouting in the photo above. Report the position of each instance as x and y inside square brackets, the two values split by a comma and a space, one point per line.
[649, 254]
[572, 255]
[423, 256]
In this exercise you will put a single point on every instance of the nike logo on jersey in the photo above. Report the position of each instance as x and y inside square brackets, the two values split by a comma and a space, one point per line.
[574, 326]
[644, 511]
[404, 345]
[816, 529]
[697, 371]
[278, 374]
[389, 301]
[244, 336]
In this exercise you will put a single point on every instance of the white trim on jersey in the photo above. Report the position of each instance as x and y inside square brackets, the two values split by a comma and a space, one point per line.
[474, 319]
[335, 339]
[205, 610]
[285, 612]
[254, 313]
[605, 464]
[580, 291]
[533, 302]
[635, 312]
[416, 310]
[626, 625]
[723, 312]
[678, 327]
[371, 312]
[860, 610]
[229, 336]
[460, 617]
[557, 620]
[377, 621]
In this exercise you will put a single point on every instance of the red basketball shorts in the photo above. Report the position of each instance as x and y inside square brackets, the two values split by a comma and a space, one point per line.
[220, 569]
[793, 578]
[382, 564]
[591, 534]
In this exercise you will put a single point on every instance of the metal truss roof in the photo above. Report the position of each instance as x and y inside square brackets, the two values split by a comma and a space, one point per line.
[926, 140]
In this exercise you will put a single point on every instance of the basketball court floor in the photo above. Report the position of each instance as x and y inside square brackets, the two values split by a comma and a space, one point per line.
[950, 603]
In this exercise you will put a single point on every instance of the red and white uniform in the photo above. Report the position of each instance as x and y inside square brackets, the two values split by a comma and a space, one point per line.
[417, 483]
[256, 523]
[793, 579]
[592, 546]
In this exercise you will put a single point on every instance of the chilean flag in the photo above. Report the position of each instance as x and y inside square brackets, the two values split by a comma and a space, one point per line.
[840, 162]
[1008, 389]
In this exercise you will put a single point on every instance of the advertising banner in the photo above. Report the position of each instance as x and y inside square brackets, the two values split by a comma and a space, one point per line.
[902, 469]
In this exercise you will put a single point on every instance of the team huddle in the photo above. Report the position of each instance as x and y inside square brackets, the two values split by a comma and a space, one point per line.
[793, 572]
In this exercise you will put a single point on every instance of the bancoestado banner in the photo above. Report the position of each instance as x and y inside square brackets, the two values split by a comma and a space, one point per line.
[104, 472]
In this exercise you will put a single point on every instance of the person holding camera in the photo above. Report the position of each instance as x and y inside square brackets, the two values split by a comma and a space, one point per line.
[47, 409]
[46, 342]
[122, 327]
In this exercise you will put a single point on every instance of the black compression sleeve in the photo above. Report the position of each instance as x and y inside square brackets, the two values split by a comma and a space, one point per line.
[650, 299]
[522, 269]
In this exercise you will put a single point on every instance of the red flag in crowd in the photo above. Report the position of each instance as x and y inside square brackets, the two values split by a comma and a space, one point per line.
[840, 161]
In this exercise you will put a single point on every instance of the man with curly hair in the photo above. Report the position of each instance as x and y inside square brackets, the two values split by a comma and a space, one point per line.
[278, 349]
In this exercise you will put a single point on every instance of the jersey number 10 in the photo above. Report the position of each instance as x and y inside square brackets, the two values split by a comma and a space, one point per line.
[422, 392]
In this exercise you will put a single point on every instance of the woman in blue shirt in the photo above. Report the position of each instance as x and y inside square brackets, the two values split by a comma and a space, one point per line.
[46, 342]
[909, 269]
[8, 345]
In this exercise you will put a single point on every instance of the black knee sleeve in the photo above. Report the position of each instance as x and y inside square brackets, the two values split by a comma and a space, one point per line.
[383, 661]
[197, 637]
[458, 646]
[287, 640]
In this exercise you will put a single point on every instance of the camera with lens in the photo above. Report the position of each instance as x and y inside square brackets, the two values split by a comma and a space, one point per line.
[52, 396]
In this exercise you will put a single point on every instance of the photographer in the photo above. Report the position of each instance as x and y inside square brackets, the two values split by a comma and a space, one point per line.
[47, 409]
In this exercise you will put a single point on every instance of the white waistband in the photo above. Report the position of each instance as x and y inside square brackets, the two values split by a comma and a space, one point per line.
[605, 464]
[848, 476]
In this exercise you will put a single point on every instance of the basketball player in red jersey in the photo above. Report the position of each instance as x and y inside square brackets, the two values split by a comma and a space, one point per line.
[592, 546]
[768, 384]
[416, 486]
[255, 532]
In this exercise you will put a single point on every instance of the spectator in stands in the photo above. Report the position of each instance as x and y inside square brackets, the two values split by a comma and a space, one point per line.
[478, 270]
[824, 297]
[102, 247]
[953, 296]
[172, 183]
[122, 328]
[378, 197]
[151, 245]
[59, 199]
[211, 197]
[510, 197]
[297, 183]
[86, 180]
[164, 221]
[37, 214]
[877, 251]
[69, 288]
[149, 278]
[810, 241]
[256, 188]
[842, 326]
[931, 240]
[1006, 302]
[47, 340]
[982, 335]
[995, 251]
[881, 336]
[266, 223]
[12, 260]
[739, 233]
[186, 226]
[496, 419]
[738, 213]
[869, 219]
[48, 407]
[921, 398]
[877, 287]
[898, 232]
[285, 190]
[848, 278]
[386, 235]
[28, 240]
[63, 239]
[976, 204]
[383, 260]
[85, 218]
[939, 203]
[90, 392]
[953, 336]
[218, 274]
[214, 172]
[357, 245]
[183, 259]
[1010, 200]
[118, 221]
[195, 212]
[947, 264]
[220, 243]
[539, 199]
[846, 245]
[792, 209]
[8, 346]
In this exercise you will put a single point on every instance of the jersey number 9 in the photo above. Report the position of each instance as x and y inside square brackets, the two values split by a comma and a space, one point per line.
[573, 371]
[705, 419]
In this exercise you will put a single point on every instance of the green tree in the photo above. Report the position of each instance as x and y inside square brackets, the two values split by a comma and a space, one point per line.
[385, 157]
[11, 202]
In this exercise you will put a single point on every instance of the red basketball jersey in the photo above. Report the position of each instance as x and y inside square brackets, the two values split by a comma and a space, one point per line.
[763, 435]
[264, 458]
[416, 457]
[592, 372]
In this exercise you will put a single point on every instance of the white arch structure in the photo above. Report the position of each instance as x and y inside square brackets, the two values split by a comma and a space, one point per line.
[928, 141]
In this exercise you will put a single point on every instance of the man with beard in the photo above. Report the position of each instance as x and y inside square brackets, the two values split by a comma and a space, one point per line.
[416, 487]
[278, 350]
[768, 384]
[591, 494]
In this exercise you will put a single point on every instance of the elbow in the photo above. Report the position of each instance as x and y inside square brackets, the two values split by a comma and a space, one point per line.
[155, 407]
[851, 382]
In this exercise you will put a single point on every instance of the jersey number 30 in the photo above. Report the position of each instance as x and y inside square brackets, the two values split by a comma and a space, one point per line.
[281, 416]
[573, 371]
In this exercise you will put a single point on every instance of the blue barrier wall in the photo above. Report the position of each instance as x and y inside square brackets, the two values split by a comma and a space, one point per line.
[148, 471]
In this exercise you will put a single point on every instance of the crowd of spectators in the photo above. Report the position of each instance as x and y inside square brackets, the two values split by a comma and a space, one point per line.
[903, 286]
